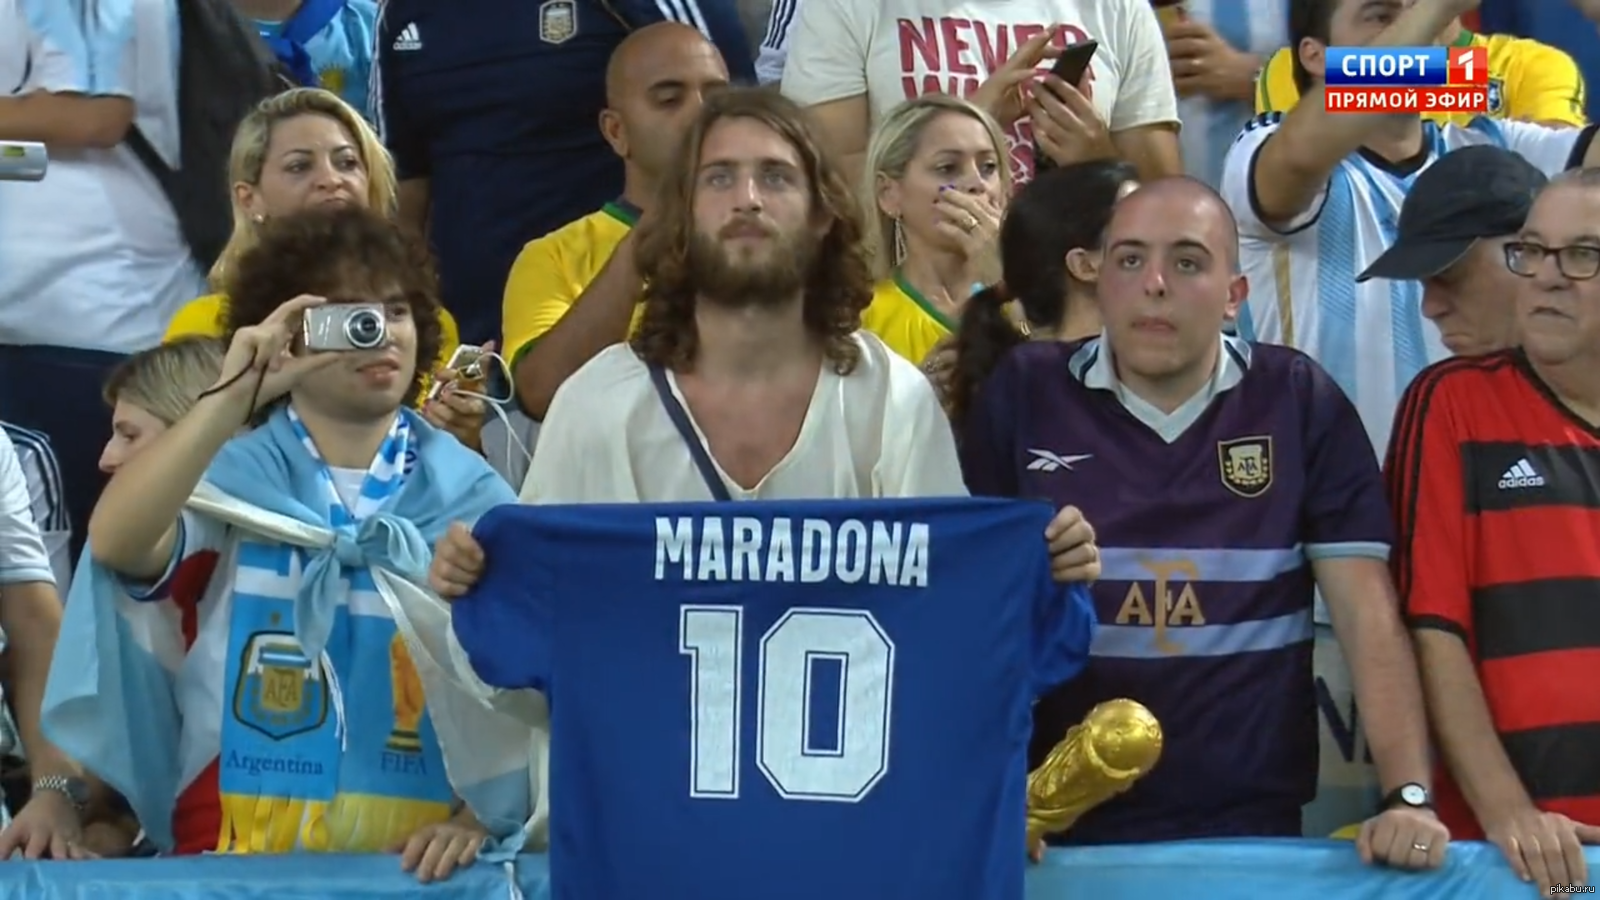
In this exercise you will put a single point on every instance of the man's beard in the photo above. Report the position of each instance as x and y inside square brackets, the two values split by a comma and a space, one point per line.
[724, 276]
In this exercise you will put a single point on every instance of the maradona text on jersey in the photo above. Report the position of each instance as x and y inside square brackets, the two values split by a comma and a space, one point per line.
[745, 548]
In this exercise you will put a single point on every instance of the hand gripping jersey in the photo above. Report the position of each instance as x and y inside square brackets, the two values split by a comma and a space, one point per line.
[814, 699]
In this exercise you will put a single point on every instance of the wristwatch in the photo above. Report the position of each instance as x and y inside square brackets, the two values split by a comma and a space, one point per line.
[1412, 795]
[76, 790]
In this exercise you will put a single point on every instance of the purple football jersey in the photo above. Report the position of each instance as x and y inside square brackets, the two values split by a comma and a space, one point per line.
[1205, 602]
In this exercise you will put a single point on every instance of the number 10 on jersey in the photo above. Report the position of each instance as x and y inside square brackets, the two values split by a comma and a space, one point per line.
[808, 746]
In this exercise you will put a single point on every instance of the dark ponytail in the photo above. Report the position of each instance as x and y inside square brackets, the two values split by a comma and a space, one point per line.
[1062, 210]
[985, 336]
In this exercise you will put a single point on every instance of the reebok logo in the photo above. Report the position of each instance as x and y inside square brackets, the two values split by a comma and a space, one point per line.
[409, 38]
[1521, 475]
[1049, 461]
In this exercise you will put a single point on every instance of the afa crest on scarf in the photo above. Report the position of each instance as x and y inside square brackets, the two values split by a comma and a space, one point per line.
[327, 751]
[281, 693]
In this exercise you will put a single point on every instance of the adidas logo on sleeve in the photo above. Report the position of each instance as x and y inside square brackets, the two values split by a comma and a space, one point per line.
[1521, 475]
[410, 38]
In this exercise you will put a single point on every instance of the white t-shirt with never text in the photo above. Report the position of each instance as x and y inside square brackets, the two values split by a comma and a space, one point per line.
[894, 50]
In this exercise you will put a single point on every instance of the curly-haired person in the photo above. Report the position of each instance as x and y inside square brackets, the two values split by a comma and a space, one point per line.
[242, 577]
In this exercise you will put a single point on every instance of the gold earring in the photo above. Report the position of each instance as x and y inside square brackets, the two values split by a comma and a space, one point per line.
[899, 242]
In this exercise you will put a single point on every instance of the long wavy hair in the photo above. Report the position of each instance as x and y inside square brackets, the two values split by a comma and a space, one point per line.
[249, 156]
[838, 285]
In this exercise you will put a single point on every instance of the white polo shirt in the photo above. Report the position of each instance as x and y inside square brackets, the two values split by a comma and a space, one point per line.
[92, 256]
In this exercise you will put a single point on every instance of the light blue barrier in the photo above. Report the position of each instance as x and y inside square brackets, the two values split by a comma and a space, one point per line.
[1204, 870]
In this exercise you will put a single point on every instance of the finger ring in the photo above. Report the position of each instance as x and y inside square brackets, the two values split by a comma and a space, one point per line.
[1423, 848]
[969, 223]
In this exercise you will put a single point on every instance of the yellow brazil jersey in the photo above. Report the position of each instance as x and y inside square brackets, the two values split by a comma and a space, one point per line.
[905, 320]
[551, 272]
[1528, 82]
[202, 317]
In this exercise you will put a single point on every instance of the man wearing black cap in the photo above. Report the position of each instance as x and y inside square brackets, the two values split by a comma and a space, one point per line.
[1453, 228]
[1492, 484]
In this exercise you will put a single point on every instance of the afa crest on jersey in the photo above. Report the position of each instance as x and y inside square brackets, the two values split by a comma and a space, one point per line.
[1497, 96]
[1246, 465]
[558, 21]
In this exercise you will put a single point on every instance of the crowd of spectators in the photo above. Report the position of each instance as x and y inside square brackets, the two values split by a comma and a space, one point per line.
[1218, 327]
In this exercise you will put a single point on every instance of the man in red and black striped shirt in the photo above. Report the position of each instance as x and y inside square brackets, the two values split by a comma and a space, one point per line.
[1494, 477]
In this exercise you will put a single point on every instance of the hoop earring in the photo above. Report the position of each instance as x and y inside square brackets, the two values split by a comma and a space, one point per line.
[899, 242]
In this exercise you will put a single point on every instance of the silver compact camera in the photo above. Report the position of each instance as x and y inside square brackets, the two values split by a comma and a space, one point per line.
[345, 326]
[23, 161]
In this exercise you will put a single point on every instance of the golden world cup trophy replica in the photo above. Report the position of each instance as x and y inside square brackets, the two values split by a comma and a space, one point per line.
[1102, 756]
[409, 701]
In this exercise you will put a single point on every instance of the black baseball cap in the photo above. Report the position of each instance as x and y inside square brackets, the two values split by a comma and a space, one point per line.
[1471, 193]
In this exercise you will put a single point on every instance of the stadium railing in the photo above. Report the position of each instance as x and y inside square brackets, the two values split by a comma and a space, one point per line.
[1211, 870]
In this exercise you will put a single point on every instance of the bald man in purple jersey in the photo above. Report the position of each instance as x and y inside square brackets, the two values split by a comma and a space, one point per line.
[1226, 480]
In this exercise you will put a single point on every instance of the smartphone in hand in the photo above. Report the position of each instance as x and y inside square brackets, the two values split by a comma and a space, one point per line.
[1073, 63]
[467, 363]
[1071, 66]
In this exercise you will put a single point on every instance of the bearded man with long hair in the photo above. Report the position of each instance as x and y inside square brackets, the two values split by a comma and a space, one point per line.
[749, 377]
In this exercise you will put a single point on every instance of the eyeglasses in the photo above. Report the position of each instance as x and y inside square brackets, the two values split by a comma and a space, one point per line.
[1579, 263]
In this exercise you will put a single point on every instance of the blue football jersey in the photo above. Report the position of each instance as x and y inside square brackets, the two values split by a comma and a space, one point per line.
[817, 700]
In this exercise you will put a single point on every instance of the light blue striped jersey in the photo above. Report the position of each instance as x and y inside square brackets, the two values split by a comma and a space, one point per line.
[1258, 27]
[341, 52]
[1371, 337]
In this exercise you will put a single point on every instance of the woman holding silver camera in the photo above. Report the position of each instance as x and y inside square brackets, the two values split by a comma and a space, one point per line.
[304, 149]
[338, 485]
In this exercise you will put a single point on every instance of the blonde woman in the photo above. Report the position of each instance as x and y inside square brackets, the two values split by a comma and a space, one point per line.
[937, 181]
[152, 389]
[301, 149]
